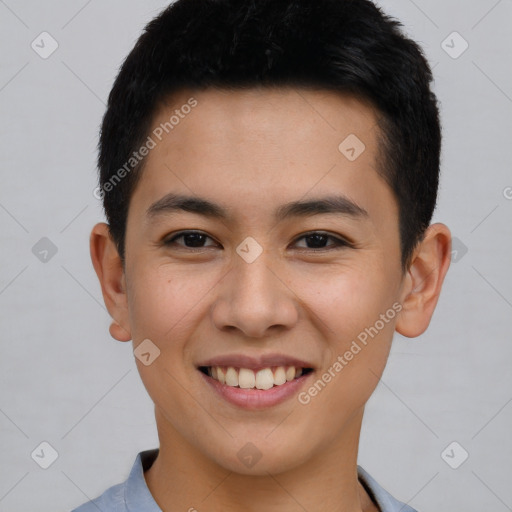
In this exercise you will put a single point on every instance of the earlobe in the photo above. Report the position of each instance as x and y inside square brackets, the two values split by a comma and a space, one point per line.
[423, 283]
[119, 333]
[109, 269]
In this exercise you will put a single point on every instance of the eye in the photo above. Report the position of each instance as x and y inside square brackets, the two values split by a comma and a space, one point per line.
[191, 239]
[317, 240]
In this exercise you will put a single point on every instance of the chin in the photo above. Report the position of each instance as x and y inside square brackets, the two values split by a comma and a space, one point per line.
[260, 458]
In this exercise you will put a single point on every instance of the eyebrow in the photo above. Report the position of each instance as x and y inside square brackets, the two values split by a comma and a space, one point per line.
[335, 204]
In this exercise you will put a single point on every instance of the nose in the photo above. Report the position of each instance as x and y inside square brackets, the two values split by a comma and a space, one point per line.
[254, 299]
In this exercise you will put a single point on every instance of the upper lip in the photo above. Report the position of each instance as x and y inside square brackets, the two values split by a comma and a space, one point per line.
[255, 362]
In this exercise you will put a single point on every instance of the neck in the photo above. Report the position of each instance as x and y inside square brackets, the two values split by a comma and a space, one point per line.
[182, 478]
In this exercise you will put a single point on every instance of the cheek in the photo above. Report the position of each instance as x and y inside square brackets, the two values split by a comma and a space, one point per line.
[347, 301]
[164, 307]
[163, 300]
[358, 322]
[357, 348]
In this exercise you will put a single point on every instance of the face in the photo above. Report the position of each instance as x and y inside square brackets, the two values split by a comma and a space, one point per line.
[290, 259]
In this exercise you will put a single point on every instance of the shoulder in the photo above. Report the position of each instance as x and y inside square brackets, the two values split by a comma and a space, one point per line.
[380, 496]
[132, 494]
[112, 500]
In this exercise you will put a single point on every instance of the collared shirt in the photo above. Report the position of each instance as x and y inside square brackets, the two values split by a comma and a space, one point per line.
[133, 494]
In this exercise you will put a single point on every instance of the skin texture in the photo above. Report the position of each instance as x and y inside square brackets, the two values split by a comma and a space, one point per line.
[252, 151]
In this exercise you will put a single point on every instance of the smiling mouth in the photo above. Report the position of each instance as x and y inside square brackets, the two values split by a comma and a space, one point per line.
[245, 378]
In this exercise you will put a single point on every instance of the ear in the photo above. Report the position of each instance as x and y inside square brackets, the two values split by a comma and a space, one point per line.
[109, 269]
[423, 281]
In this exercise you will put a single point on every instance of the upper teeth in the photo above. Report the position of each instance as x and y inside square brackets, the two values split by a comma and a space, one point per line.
[248, 379]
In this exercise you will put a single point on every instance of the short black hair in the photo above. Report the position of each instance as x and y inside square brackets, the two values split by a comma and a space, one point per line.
[350, 46]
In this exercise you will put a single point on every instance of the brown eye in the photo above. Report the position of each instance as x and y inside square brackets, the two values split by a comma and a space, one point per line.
[191, 240]
[318, 240]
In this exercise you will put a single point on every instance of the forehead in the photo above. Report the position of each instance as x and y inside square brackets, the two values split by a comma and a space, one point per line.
[254, 115]
[255, 149]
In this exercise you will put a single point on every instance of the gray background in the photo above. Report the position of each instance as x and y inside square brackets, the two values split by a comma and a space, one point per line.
[66, 382]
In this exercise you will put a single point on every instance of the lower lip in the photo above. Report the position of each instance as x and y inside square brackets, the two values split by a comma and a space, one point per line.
[257, 398]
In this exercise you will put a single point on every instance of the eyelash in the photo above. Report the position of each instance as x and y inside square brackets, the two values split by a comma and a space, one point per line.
[340, 243]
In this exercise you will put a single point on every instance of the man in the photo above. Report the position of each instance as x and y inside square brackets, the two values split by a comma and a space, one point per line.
[268, 171]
